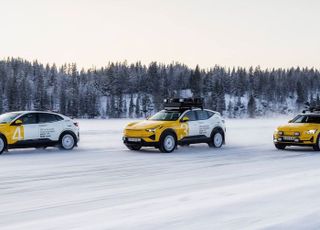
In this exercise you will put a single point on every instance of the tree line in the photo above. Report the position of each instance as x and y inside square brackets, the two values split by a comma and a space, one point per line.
[137, 90]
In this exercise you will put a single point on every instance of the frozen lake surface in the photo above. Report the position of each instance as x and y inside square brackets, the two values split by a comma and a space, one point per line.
[247, 184]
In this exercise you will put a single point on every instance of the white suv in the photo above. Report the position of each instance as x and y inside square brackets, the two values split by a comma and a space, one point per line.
[37, 129]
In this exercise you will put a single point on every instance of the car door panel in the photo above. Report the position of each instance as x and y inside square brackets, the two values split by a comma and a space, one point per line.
[203, 123]
[29, 129]
[49, 127]
[193, 126]
[31, 132]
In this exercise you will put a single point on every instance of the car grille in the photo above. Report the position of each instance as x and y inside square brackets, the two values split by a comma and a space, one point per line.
[288, 133]
[136, 133]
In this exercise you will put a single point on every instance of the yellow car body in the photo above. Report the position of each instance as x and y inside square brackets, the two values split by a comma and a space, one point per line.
[303, 130]
[150, 131]
[12, 133]
[187, 127]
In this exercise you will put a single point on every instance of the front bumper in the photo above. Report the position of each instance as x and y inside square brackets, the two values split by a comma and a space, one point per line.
[296, 140]
[141, 143]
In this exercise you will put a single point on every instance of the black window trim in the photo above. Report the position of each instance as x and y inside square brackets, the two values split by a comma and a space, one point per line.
[38, 119]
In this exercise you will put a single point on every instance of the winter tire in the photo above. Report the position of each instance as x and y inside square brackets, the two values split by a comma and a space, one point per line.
[280, 146]
[316, 147]
[217, 139]
[3, 144]
[67, 141]
[168, 142]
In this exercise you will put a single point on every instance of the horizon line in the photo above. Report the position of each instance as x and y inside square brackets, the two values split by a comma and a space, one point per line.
[93, 67]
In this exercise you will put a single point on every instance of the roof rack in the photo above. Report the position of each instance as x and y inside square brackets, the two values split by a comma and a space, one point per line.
[311, 109]
[183, 103]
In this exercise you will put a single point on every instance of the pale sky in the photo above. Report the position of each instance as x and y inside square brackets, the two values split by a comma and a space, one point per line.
[269, 33]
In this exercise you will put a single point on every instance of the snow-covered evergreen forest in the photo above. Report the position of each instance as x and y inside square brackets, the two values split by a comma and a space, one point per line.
[136, 90]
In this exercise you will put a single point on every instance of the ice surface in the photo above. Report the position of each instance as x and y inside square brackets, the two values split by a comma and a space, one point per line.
[247, 184]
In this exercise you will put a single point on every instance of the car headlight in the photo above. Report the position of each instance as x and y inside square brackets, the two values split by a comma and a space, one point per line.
[297, 134]
[280, 132]
[311, 131]
[153, 129]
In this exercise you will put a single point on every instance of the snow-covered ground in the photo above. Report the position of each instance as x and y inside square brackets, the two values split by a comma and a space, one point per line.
[247, 184]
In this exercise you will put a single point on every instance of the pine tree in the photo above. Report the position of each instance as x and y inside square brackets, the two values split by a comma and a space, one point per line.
[131, 106]
[113, 110]
[252, 107]
[11, 94]
[195, 82]
[62, 100]
[230, 110]
[137, 108]
[301, 95]
[108, 107]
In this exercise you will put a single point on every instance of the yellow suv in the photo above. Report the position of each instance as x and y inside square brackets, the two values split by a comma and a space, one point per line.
[182, 122]
[303, 130]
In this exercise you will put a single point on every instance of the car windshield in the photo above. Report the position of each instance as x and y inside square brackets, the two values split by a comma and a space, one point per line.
[306, 119]
[8, 117]
[165, 115]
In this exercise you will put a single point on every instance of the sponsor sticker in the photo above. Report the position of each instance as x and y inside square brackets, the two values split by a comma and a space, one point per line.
[46, 132]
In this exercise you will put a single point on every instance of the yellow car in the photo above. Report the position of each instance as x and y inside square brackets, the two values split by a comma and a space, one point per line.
[183, 122]
[303, 130]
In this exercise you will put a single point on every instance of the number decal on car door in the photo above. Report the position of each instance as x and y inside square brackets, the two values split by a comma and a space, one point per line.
[185, 130]
[17, 134]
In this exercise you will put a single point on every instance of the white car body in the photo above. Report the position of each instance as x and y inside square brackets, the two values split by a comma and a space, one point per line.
[46, 131]
[204, 127]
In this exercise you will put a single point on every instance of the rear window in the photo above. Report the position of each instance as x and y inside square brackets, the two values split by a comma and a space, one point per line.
[47, 118]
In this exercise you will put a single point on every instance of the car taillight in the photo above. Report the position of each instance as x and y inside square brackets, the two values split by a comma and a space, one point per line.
[76, 124]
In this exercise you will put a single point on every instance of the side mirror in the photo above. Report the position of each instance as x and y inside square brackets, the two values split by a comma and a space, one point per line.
[148, 117]
[184, 119]
[17, 122]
